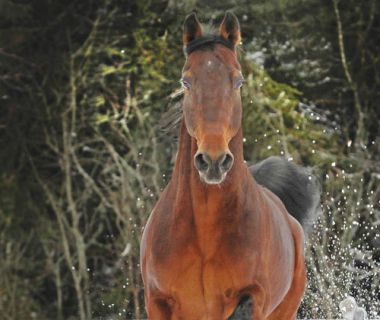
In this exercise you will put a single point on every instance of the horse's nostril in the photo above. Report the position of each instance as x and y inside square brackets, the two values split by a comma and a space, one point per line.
[226, 162]
[201, 162]
[204, 163]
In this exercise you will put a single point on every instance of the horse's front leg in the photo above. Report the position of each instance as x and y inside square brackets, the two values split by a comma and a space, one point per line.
[258, 298]
[158, 308]
[251, 304]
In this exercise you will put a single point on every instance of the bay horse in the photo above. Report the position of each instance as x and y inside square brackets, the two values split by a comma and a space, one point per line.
[221, 232]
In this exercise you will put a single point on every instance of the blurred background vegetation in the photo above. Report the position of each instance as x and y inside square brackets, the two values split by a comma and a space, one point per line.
[83, 155]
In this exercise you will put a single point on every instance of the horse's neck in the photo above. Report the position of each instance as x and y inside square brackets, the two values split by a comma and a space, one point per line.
[209, 204]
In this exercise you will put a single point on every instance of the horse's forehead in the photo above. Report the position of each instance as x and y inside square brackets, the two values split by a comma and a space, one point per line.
[206, 61]
[211, 60]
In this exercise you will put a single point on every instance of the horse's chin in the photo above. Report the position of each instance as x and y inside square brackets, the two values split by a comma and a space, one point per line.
[213, 180]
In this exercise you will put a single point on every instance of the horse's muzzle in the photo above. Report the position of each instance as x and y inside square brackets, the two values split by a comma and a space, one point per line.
[213, 171]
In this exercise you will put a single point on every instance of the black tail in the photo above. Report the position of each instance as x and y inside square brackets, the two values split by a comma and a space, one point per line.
[297, 188]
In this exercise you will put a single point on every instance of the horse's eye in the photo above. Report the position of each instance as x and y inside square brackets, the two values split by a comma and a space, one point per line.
[185, 84]
[238, 83]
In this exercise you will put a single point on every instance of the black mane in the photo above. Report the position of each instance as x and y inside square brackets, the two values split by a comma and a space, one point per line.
[207, 42]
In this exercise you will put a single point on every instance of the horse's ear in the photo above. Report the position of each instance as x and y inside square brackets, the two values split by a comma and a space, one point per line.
[192, 29]
[230, 29]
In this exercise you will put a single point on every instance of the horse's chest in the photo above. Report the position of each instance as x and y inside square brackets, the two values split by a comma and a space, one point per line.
[210, 283]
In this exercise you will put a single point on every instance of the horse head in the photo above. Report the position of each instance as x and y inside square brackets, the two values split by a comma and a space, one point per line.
[212, 107]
